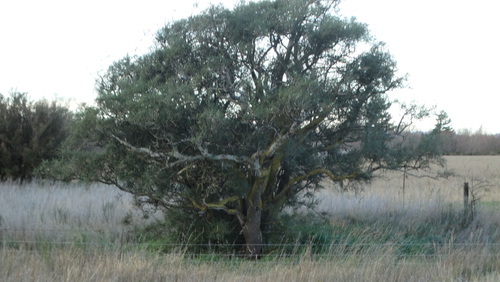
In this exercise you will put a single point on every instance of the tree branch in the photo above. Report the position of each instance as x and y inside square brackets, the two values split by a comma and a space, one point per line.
[280, 141]
[220, 205]
[140, 150]
[297, 179]
[181, 158]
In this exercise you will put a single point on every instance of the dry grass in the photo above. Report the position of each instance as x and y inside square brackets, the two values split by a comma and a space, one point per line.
[422, 195]
[60, 212]
[47, 214]
[71, 264]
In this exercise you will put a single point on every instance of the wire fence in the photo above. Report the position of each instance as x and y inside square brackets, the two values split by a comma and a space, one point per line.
[276, 246]
[89, 241]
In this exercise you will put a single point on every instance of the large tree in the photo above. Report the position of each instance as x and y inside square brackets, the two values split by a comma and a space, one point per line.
[240, 111]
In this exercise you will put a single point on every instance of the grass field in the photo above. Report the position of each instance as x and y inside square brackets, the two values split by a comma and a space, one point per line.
[379, 233]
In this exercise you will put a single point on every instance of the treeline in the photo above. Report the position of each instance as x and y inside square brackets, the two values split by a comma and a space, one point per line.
[464, 142]
[31, 132]
[467, 143]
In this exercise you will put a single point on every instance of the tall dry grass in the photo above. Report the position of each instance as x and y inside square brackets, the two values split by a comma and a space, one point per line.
[81, 217]
[380, 264]
[422, 194]
[62, 212]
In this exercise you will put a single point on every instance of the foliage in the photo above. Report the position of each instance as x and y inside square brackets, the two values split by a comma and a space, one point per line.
[237, 114]
[30, 132]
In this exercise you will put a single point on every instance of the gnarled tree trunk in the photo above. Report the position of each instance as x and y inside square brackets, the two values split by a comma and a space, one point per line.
[252, 232]
[252, 225]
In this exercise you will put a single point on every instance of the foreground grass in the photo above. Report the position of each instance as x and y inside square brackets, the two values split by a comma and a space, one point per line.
[376, 264]
[385, 248]
[74, 233]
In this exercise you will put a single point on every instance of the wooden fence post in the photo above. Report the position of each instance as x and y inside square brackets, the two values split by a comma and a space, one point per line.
[466, 202]
[466, 195]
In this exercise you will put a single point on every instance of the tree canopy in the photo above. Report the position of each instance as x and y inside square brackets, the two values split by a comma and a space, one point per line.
[242, 111]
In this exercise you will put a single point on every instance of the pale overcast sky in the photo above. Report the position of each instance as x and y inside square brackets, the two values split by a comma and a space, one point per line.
[449, 48]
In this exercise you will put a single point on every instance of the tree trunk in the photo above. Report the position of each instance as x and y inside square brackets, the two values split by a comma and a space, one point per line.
[253, 233]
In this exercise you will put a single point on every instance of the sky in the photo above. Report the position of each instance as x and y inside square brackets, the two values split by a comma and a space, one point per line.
[450, 50]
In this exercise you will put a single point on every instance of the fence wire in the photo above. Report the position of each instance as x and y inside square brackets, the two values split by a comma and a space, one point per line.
[90, 241]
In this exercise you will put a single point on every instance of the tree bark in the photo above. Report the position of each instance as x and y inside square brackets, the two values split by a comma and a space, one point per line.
[252, 232]
[252, 227]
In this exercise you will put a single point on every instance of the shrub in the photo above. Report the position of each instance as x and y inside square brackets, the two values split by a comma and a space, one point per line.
[30, 132]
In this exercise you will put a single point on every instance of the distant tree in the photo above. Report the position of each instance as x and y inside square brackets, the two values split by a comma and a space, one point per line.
[30, 132]
[238, 114]
[443, 123]
[440, 139]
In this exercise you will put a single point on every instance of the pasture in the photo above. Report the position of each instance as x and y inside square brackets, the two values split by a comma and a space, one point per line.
[380, 232]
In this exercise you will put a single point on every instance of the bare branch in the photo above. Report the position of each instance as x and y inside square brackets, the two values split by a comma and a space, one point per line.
[145, 151]
[281, 140]
[181, 158]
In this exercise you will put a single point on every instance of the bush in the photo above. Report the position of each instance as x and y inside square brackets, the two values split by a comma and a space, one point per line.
[30, 132]
[196, 233]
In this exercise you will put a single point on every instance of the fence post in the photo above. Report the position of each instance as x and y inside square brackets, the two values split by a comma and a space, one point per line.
[466, 201]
